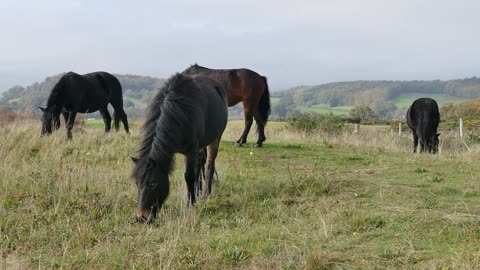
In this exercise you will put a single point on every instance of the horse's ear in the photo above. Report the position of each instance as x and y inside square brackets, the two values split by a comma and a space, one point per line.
[42, 109]
[135, 160]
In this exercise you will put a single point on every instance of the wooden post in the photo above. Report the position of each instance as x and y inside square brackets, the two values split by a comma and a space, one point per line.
[356, 128]
[399, 129]
[461, 128]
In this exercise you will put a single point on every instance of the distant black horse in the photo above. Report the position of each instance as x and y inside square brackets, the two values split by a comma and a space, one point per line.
[246, 86]
[87, 93]
[423, 118]
[187, 114]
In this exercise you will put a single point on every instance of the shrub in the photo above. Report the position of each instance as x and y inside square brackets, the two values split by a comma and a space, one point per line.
[310, 123]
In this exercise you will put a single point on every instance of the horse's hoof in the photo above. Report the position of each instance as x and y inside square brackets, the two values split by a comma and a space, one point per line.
[238, 144]
[258, 145]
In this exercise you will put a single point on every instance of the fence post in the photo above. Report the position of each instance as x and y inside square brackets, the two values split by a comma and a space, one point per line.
[356, 128]
[399, 129]
[461, 128]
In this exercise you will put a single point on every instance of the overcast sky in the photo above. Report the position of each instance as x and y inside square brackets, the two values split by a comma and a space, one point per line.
[290, 42]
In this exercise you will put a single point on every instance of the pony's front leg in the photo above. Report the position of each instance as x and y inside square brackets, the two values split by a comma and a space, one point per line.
[248, 125]
[191, 176]
[71, 120]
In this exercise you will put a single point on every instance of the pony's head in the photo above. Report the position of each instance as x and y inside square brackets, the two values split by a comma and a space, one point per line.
[50, 120]
[153, 186]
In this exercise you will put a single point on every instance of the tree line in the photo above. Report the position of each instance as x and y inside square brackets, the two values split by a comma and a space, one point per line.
[375, 95]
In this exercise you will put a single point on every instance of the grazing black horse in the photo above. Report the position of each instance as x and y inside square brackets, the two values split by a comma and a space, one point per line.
[246, 86]
[188, 114]
[87, 93]
[423, 118]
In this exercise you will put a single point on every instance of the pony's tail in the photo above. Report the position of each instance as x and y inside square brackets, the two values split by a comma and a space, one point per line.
[264, 107]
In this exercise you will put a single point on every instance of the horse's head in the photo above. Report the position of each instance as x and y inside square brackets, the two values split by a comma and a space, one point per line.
[152, 184]
[50, 120]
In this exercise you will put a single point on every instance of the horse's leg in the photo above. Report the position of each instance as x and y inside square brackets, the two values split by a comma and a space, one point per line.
[116, 120]
[69, 124]
[200, 170]
[422, 145]
[248, 124]
[191, 176]
[107, 119]
[261, 130]
[56, 121]
[212, 151]
[65, 116]
[123, 117]
[415, 141]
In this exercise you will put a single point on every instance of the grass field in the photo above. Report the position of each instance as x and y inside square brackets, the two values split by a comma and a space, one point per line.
[325, 109]
[304, 201]
[405, 100]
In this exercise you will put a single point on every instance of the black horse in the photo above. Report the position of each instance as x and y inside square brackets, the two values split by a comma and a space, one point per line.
[87, 93]
[188, 114]
[246, 86]
[423, 118]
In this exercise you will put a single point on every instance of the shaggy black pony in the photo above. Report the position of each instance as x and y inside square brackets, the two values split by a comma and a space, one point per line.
[423, 118]
[246, 86]
[87, 93]
[188, 114]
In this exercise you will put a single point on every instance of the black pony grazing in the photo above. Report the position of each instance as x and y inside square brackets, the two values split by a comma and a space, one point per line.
[246, 86]
[423, 118]
[76, 93]
[187, 114]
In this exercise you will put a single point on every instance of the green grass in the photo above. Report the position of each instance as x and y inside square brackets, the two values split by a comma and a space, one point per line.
[298, 203]
[135, 101]
[274, 100]
[97, 123]
[405, 100]
[325, 109]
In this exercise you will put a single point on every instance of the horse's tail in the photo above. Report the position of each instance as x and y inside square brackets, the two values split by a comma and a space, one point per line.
[264, 107]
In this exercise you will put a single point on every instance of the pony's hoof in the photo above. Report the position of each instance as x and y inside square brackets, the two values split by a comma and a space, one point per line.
[257, 145]
[238, 144]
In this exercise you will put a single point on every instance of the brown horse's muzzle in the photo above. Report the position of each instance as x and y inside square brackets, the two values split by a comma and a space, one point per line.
[145, 215]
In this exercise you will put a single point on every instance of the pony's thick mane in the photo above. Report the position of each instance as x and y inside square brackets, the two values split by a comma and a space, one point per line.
[165, 116]
[56, 94]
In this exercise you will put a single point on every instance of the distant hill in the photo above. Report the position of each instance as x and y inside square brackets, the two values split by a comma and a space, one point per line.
[388, 99]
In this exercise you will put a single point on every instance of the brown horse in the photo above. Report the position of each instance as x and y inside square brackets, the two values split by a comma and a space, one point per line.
[246, 86]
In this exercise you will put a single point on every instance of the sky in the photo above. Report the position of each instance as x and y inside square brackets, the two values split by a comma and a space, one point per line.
[292, 43]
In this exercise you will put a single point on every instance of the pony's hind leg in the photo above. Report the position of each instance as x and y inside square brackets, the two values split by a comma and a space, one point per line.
[191, 176]
[212, 151]
[200, 170]
[107, 119]
[116, 120]
[260, 129]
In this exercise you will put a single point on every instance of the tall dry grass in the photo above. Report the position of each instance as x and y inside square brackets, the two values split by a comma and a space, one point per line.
[381, 137]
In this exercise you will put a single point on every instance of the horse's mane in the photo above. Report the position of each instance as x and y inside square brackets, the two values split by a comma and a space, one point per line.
[165, 116]
[56, 94]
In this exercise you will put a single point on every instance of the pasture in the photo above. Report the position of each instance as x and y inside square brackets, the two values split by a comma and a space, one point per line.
[405, 100]
[326, 109]
[303, 201]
